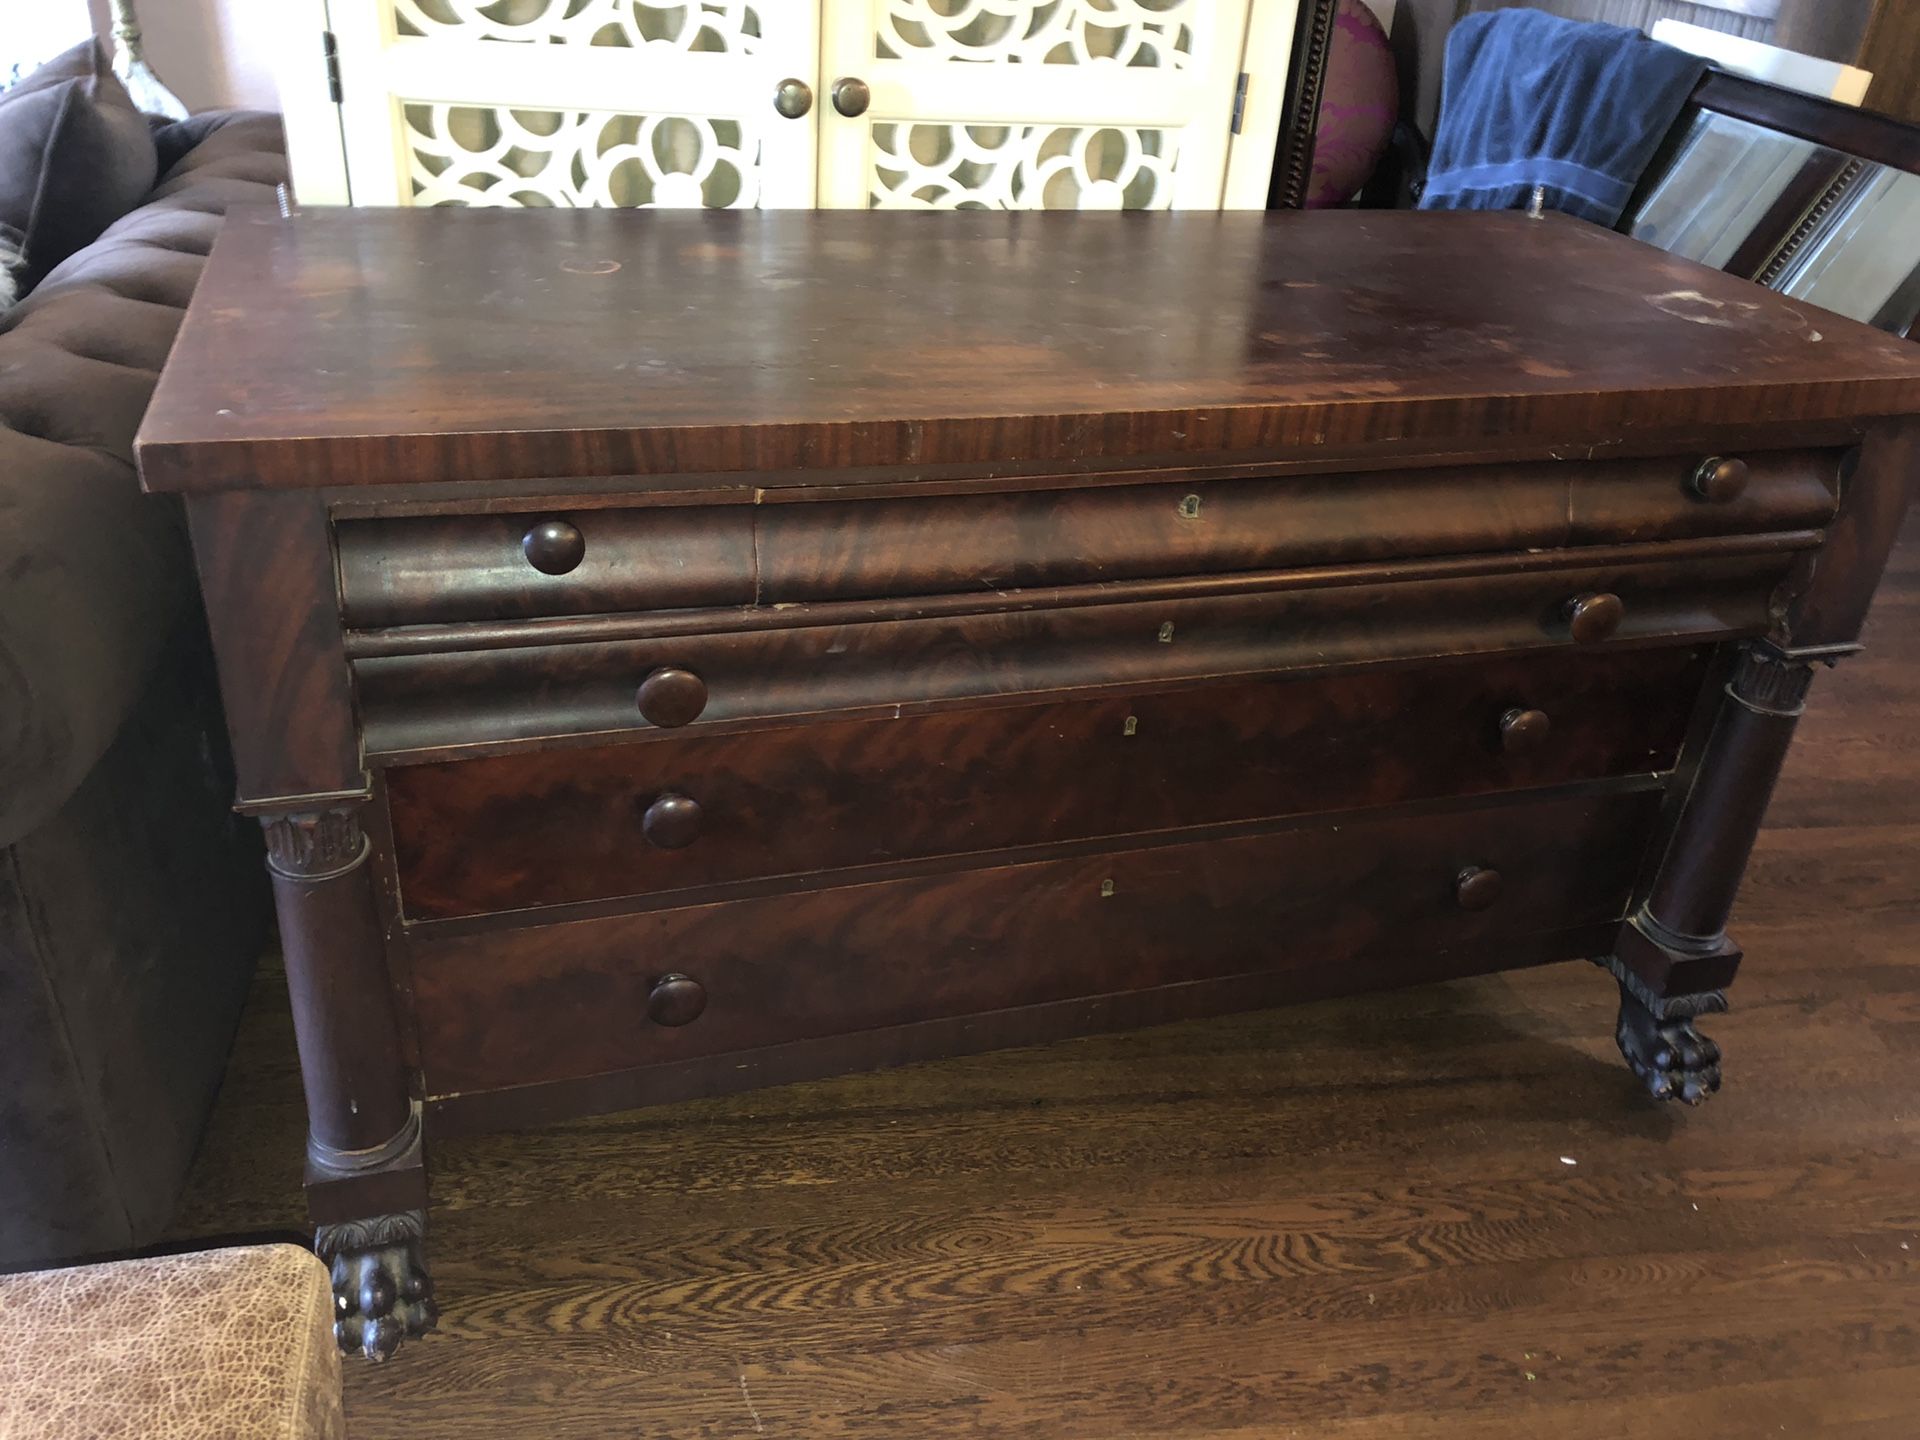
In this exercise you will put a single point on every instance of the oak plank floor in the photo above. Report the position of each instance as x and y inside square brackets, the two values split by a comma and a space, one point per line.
[1442, 1212]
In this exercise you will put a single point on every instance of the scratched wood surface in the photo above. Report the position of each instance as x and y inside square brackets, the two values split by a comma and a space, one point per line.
[376, 347]
[1352, 1219]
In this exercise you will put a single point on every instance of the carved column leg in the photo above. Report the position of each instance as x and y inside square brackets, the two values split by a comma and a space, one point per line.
[1674, 956]
[366, 1178]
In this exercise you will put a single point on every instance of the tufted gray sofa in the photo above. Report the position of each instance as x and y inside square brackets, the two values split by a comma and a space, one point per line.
[132, 903]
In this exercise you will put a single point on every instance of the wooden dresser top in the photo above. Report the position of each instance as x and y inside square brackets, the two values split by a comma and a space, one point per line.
[367, 347]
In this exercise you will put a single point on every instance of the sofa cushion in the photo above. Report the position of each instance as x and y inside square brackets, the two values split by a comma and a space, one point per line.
[75, 155]
[94, 575]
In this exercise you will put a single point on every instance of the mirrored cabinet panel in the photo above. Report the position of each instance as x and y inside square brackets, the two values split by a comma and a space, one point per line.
[1815, 200]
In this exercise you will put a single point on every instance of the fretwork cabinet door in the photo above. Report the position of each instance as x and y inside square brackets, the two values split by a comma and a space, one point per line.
[1033, 104]
[1030, 104]
[577, 102]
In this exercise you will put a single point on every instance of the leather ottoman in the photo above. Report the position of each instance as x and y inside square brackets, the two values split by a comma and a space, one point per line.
[223, 1344]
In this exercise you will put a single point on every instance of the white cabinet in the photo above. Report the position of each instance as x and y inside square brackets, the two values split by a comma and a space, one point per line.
[1020, 104]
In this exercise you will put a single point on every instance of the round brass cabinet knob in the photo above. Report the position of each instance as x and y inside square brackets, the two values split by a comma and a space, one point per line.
[1522, 731]
[672, 822]
[553, 547]
[793, 98]
[1592, 618]
[671, 697]
[851, 96]
[1476, 888]
[1719, 478]
[676, 1000]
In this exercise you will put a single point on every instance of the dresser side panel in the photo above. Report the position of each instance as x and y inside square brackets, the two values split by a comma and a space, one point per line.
[267, 571]
[1839, 581]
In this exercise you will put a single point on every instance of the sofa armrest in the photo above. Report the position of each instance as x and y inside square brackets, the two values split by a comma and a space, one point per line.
[94, 576]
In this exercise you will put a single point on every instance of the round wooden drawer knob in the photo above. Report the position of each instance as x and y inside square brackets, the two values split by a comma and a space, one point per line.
[553, 547]
[672, 822]
[1719, 478]
[672, 697]
[676, 1000]
[1522, 731]
[1476, 888]
[1593, 618]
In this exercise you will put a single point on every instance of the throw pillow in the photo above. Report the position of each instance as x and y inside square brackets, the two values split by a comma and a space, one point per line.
[75, 155]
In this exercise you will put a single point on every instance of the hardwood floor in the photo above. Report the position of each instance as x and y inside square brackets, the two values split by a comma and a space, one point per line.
[1440, 1212]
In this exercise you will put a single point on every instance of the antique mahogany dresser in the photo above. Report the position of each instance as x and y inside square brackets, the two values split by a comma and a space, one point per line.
[677, 652]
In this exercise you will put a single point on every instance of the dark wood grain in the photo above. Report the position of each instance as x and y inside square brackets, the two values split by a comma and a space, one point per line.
[919, 1041]
[397, 346]
[336, 969]
[1668, 563]
[1882, 138]
[1890, 51]
[414, 572]
[1347, 1219]
[1032, 538]
[425, 570]
[1684, 443]
[517, 1007]
[473, 567]
[1831, 605]
[811, 663]
[573, 825]
[266, 572]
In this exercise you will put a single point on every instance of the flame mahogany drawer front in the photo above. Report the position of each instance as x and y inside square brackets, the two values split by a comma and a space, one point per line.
[685, 811]
[575, 561]
[418, 697]
[518, 1006]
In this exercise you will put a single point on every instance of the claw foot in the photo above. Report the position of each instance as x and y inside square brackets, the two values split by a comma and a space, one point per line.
[1656, 1035]
[381, 1291]
[1673, 1060]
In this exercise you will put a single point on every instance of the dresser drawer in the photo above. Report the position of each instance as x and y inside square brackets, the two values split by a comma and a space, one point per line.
[803, 660]
[517, 831]
[447, 568]
[851, 549]
[524, 1005]
[412, 570]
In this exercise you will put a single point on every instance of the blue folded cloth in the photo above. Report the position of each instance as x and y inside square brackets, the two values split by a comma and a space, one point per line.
[1529, 99]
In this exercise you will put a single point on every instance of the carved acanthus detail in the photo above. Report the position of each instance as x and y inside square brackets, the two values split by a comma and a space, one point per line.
[1770, 682]
[314, 844]
[402, 1228]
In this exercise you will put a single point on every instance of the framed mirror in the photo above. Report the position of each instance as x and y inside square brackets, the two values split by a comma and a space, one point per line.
[1815, 200]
